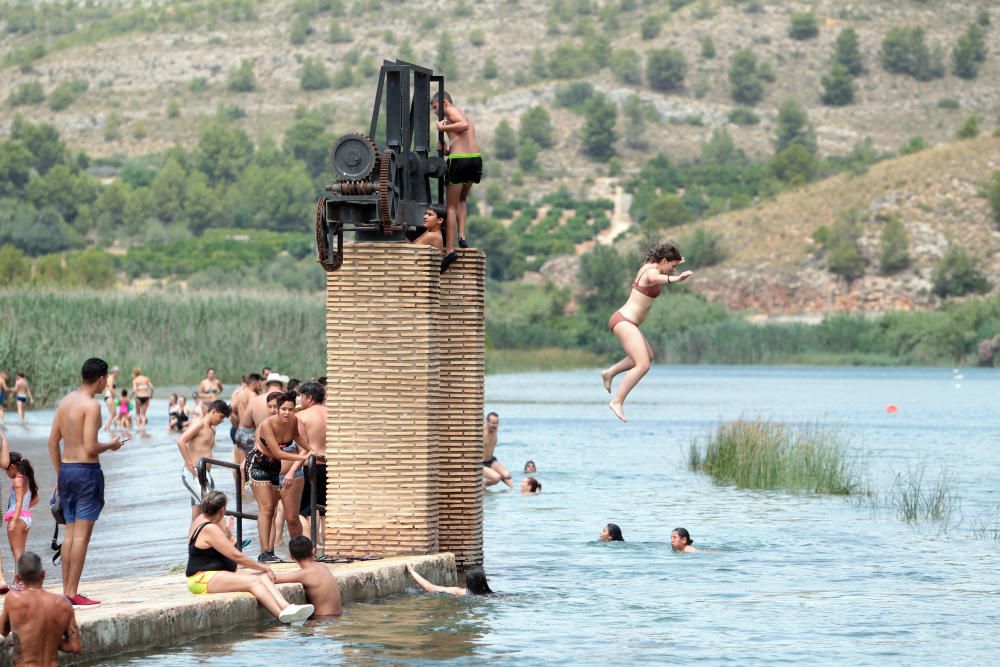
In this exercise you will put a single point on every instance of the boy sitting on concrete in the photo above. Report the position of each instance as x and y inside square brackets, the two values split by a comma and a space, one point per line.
[322, 590]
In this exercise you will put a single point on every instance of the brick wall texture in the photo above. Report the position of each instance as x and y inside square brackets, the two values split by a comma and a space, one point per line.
[400, 422]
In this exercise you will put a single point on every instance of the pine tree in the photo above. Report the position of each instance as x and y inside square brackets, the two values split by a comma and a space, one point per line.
[838, 87]
[847, 52]
[504, 141]
[445, 62]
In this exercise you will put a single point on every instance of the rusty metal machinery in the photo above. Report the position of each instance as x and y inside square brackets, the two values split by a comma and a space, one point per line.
[381, 195]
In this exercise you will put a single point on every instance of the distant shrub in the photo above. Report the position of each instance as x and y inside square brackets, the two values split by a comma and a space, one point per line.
[666, 69]
[313, 75]
[983, 18]
[707, 47]
[667, 211]
[241, 78]
[198, 84]
[476, 37]
[993, 195]
[344, 78]
[969, 129]
[649, 28]
[598, 136]
[112, 127]
[956, 274]
[536, 124]
[61, 97]
[963, 59]
[743, 116]
[746, 86]
[894, 247]
[847, 52]
[504, 141]
[904, 51]
[490, 69]
[803, 26]
[336, 34]
[627, 67]
[139, 130]
[25, 93]
[913, 145]
[838, 87]
[301, 29]
[948, 103]
[844, 257]
[527, 155]
[702, 248]
[173, 109]
[574, 95]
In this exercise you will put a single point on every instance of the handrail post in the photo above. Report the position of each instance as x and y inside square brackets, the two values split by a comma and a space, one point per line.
[238, 477]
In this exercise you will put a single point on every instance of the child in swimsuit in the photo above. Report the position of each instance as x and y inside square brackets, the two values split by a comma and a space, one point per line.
[124, 411]
[23, 496]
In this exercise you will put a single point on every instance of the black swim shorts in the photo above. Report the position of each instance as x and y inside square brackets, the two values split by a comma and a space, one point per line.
[465, 168]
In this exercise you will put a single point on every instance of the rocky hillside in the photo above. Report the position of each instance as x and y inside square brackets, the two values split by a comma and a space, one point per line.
[153, 80]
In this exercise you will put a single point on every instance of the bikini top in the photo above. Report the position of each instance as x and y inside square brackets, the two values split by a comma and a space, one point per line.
[652, 291]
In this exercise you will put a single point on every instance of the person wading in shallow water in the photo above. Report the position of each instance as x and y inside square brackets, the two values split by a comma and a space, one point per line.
[654, 273]
[475, 583]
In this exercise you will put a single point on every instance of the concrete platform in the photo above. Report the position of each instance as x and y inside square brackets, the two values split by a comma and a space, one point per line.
[138, 614]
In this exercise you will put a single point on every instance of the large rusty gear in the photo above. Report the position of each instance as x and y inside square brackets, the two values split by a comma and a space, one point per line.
[353, 157]
[387, 194]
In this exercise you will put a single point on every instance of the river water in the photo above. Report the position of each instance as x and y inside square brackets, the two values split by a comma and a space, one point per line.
[783, 578]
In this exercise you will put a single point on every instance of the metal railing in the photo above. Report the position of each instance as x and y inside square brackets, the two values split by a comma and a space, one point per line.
[203, 464]
[314, 508]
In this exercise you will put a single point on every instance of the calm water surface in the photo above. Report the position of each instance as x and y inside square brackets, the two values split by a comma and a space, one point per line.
[793, 578]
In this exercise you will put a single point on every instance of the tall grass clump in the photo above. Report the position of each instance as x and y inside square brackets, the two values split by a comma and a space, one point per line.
[915, 498]
[759, 454]
[172, 337]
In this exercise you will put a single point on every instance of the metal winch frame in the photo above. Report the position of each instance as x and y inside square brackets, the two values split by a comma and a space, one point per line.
[381, 195]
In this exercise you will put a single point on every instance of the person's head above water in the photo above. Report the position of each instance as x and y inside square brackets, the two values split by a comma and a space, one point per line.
[475, 581]
[530, 485]
[680, 538]
[611, 533]
[530, 467]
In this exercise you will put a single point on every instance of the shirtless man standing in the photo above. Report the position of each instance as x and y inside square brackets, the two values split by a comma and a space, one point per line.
[238, 404]
[313, 416]
[322, 590]
[197, 442]
[22, 394]
[465, 168]
[37, 624]
[78, 468]
[253, 412]
[493, 470]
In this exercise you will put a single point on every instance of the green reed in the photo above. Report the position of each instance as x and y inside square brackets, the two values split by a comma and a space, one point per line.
[172, 336]
[540, 359]
[759, 454]
[915, 498]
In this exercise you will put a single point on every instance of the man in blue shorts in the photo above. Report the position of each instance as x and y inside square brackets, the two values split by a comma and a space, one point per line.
[80, 480]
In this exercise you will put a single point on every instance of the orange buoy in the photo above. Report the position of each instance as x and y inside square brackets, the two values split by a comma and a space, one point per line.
[891, 408]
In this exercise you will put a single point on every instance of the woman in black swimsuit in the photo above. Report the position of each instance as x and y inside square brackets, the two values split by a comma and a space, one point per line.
[263, 465]
[212, 561]
[655, 272]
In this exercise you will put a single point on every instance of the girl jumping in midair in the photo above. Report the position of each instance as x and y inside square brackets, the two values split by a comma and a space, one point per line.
[659, 263]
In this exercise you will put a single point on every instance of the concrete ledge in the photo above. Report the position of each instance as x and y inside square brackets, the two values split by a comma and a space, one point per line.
[140, 614]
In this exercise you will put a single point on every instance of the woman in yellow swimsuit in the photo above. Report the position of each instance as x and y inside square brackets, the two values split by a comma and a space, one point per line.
[659, 263]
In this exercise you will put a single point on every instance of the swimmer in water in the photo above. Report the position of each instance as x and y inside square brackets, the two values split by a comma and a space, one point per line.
[611, 533]
[655, 272]
[475, 583]
[680, 540]
[530, 485]
[530, 467]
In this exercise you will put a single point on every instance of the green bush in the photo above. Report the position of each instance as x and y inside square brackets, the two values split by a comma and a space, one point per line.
[598, 136]
[666, 69]
[504, 141]
[649, 27]
[344, 78]
[794, 128]
[993, 195]
[336, 34]
[626, 65]
[574, 95]
[527, 154]
[313, 75]
[948, 103]
[536, 124]
[667, 211]
[301, 29]
[848, 53]
[746, 86]
[894, 247]
[241, 78]
[445, 61]
[490, 69]
[61, 97]
[476, 37]
[957, 274]
[963, 59]
[198, 84]
[913, 145]
[838, 87]
[904, 51]
[15, 268]
[702, 248]
[743, 116]
[26, 93]
[803, 26]
[969, 129]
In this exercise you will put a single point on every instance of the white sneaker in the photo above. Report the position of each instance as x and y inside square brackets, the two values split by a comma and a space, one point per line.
[296, 613]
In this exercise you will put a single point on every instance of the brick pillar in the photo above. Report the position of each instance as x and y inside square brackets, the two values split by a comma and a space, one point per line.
[382, 370]
[460, 425]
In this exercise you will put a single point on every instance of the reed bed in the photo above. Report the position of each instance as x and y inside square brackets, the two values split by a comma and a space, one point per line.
[759, 454]
[915, 498]
[541, 359]
[172, 336]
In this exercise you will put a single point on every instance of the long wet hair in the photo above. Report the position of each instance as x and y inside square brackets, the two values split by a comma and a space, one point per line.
[475, 581]
[684, 534]
[615, 533]
[657, 253]
[23, 466]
